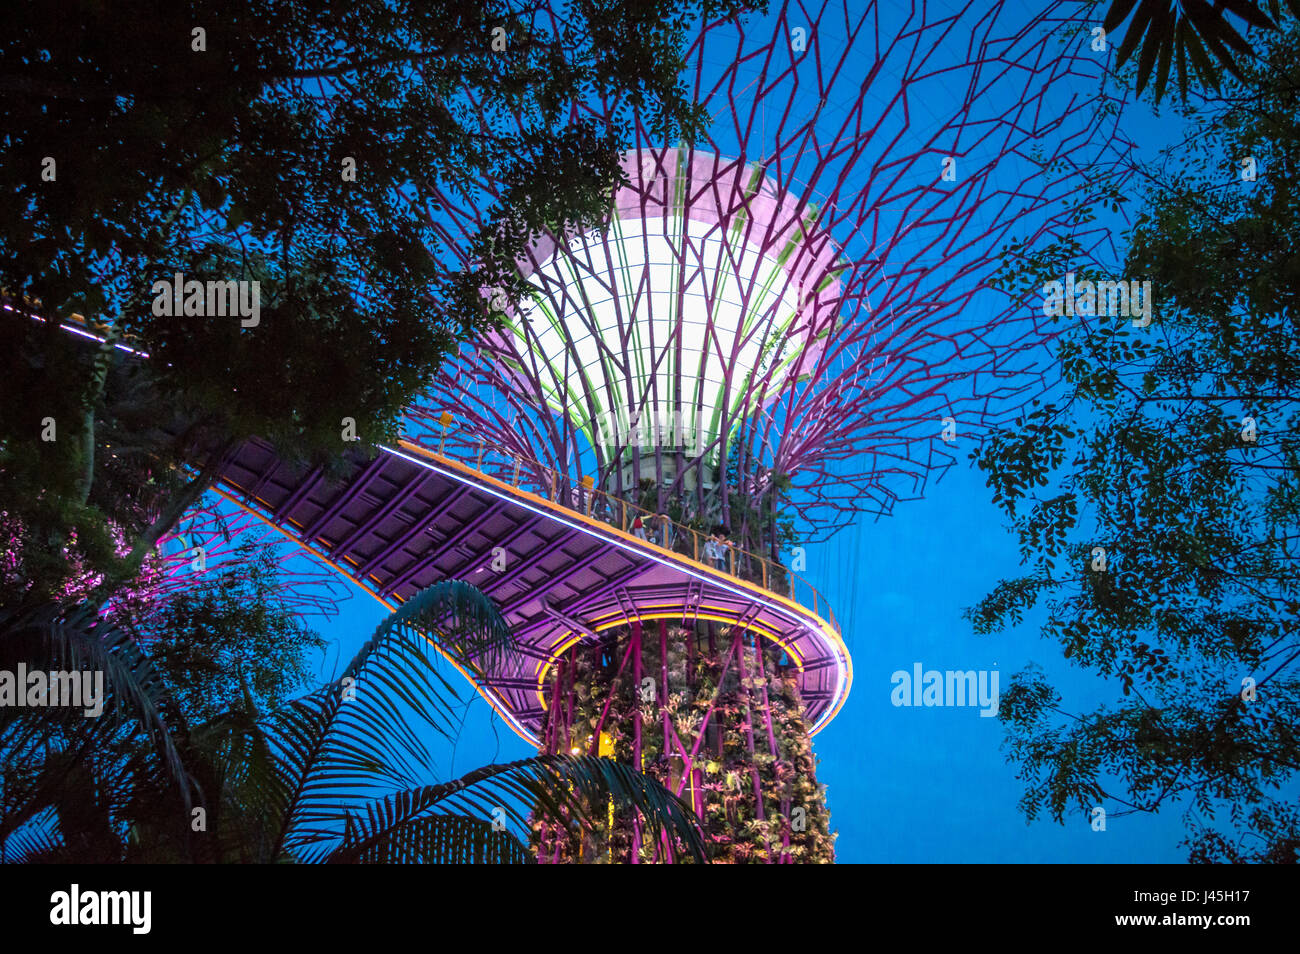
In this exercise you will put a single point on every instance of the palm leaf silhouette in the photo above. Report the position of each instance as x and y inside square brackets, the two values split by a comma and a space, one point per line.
[339, 775]
[1163, 34]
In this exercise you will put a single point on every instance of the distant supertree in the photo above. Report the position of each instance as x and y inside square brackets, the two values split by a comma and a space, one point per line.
[214, 535]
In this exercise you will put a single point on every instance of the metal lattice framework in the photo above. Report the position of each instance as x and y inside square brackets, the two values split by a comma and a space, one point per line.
[804, 291]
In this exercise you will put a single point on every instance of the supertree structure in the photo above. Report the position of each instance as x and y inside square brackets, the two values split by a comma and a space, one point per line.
[211, 538]
[214, 535]
[807, 289]
[778, 328]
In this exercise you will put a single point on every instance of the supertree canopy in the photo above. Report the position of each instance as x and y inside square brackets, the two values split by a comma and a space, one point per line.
[685, 317]
[804, 293]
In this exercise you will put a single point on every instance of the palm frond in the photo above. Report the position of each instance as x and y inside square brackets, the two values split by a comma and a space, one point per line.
[1164, 36]
[437, 839]
[246, 792]
[36, 844]
[461, 619]
[78, 641]
[559, 787]
[354, 737]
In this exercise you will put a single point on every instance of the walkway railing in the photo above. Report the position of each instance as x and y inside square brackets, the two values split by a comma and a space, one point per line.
[582, 496]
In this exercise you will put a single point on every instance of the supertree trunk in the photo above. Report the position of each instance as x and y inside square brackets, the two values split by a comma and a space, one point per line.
[707, 711]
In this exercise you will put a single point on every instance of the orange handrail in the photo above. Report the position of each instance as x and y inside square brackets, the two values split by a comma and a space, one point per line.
[615, 512]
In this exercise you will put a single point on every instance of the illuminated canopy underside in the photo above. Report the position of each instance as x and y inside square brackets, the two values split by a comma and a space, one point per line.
[695, 306]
